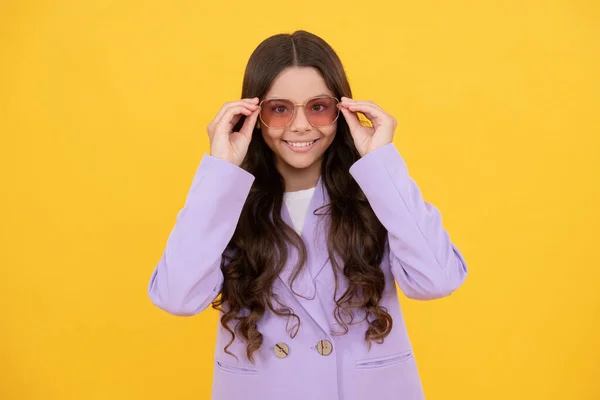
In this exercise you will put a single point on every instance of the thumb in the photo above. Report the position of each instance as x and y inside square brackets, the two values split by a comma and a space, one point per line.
[351, 119]
[249, 123]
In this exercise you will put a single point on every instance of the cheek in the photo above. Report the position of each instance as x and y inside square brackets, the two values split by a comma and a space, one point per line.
[271, 138]
[267, 137]
[329, 133]
[270, 135]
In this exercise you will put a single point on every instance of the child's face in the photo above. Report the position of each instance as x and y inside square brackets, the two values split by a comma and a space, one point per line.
[299, 85]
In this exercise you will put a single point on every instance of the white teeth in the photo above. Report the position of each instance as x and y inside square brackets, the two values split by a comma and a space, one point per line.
[302, 144]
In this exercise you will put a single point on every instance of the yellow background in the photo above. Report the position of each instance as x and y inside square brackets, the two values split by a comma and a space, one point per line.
[103, 108]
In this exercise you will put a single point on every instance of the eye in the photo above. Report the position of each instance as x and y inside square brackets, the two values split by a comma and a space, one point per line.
[318, 107]
[279, 109]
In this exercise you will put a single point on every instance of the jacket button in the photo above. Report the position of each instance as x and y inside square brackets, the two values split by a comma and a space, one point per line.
[324, 347]
[281, 350]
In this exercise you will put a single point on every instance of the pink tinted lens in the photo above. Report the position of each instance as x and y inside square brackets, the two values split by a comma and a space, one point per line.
[277, 113]
[322, 111]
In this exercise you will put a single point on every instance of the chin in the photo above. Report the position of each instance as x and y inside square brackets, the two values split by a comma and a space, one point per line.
[299, 163]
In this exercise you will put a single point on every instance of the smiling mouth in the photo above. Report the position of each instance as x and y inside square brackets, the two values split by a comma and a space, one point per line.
[301, 144]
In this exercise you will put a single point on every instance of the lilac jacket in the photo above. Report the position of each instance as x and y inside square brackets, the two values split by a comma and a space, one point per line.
[316, 364]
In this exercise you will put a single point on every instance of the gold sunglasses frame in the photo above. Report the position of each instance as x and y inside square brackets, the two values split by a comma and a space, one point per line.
[337, 101]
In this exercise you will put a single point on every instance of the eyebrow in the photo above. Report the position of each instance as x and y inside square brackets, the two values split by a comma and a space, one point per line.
[311, 97]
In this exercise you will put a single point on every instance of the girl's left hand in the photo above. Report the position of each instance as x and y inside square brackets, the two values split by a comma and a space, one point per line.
[366, 138]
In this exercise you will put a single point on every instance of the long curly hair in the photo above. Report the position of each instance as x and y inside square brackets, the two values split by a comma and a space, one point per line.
[258, 250]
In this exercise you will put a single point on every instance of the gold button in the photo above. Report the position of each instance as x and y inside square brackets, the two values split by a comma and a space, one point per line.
[324, 347]
[281, 350]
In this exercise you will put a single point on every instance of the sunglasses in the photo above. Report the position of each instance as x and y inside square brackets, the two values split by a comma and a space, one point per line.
[319, 111]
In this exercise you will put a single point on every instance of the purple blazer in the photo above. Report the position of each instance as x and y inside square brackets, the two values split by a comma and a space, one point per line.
[316, 364]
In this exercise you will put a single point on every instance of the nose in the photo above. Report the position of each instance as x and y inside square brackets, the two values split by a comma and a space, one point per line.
[300, 123]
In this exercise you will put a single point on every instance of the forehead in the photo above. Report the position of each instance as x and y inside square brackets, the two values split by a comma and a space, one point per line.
[298, 84]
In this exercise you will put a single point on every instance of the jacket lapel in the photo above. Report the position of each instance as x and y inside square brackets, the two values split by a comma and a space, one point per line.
[314, 235]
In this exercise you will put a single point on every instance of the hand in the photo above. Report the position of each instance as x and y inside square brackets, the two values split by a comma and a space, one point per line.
[226, 144]
[367, 138]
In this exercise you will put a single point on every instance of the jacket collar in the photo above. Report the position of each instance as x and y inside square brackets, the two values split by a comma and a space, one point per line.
[314, 234]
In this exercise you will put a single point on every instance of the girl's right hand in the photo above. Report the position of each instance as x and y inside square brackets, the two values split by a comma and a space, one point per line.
[226, 144]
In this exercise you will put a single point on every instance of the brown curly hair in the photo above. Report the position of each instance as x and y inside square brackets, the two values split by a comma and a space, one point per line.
[258, 250]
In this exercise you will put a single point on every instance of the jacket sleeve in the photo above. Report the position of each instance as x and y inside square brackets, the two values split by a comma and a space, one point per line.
[188, 276]
[424, 262]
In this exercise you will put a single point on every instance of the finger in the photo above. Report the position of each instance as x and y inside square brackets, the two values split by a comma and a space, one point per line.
[231, 111]
[231, 116]
[348, 101]
[363, 104]
[249, 124]
[351, 119]
[249, 103]
[362, 108]
[231, 105]
[372, 112]
[253, 102]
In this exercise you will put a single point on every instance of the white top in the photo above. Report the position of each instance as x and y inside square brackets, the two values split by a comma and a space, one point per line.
[297, 204]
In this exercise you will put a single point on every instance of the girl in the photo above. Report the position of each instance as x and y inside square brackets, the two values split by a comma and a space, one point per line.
[297, 227]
